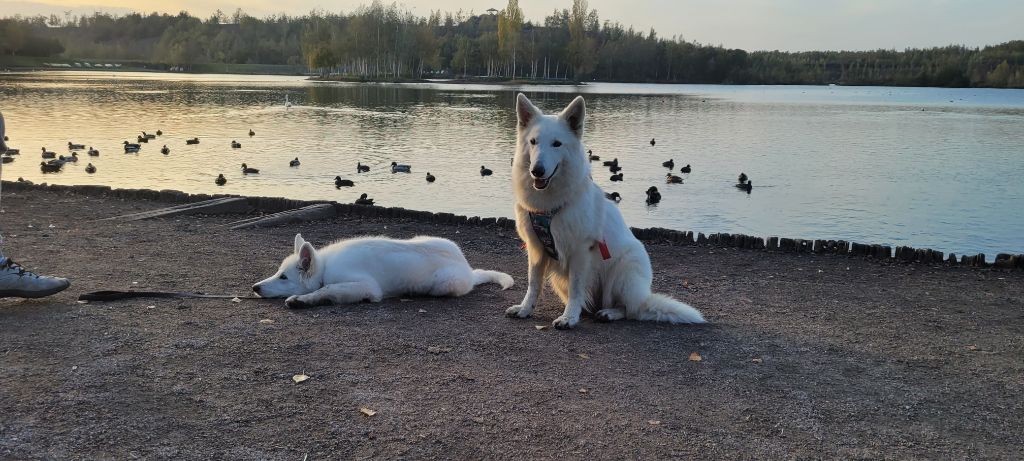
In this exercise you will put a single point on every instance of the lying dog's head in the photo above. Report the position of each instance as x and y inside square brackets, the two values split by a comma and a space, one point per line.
[296, 276]
[549, 147]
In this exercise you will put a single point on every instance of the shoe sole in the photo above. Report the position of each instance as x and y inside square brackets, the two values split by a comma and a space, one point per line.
[32, 294]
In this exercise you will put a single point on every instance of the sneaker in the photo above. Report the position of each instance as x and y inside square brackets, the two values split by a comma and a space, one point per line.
[17, 282]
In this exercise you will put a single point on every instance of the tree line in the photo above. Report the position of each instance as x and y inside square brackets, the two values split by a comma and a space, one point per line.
[388, 42]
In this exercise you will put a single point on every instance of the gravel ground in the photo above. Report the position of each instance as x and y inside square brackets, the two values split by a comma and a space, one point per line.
[806, 356]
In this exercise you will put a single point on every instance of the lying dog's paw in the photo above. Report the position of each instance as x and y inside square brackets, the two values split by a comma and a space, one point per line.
[565, 323]
[293, 302]
[519, 311]
[609, 315]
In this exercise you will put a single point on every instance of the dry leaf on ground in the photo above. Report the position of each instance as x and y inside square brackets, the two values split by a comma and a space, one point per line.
[438, 349]
[266, 321]
[695, 357]
[367, 411]
[541, 327]
[299, 378]
[236, 300]
[584, 356]
[756, 360]
[653, 422]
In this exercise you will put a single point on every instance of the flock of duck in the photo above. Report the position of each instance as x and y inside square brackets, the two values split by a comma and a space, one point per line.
[52, 163]
[653, 195]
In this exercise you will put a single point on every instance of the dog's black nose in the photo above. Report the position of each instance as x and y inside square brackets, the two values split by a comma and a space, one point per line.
[537, 171]
[256, 289]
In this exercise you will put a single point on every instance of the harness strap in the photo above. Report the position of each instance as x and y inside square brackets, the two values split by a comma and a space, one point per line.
[541, 223]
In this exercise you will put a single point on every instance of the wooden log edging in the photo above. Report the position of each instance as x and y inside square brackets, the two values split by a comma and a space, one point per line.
[904, 254]
[303, 214]
[228, 205]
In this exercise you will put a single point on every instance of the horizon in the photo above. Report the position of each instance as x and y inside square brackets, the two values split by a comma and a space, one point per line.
[753, 25]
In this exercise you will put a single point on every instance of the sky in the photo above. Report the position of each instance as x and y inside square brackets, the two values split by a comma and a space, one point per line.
[790, 25]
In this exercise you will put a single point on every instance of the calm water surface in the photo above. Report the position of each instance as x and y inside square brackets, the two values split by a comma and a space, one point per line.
[936, 168]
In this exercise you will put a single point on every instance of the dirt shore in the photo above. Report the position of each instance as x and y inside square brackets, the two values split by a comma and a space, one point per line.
[806, 356]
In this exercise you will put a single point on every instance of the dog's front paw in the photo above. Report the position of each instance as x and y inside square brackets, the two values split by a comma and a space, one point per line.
[609, 315]
[293, 302]
[565, 323]
[519, 311]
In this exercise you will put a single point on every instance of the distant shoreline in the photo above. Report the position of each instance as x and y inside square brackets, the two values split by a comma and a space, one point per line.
[232, 69]
[293, 71]
[7, 64]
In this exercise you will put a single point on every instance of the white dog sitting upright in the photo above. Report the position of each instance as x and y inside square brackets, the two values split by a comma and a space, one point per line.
[374, 268]
[575, 237]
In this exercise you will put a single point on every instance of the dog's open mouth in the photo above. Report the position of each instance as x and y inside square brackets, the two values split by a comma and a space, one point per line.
[542, 183]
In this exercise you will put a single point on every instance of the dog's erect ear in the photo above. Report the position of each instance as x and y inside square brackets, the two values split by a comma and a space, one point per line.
[306, 254]
[298, 242]
[574, 114]
[525, 110]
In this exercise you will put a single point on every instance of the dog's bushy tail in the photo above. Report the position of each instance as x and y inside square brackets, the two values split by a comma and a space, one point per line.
[661, 308]
[481, 276]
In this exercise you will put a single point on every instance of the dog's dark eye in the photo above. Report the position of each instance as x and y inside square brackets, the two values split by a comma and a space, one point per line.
[533, 141]
[283, 277]
[557, 143]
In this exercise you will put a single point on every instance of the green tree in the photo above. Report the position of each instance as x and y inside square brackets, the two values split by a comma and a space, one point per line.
[182, 43]
[581, 48]
[463, 53]
[1000, 76]
[489, 50]
[316, 44]
[510, 26]
[14, 37]
[427, 44]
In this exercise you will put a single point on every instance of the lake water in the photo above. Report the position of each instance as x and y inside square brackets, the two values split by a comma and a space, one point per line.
[926, 167]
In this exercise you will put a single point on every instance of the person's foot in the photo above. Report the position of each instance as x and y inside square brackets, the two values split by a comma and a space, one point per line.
[17, 282]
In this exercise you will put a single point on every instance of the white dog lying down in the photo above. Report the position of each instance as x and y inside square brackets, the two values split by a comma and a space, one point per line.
[374, 268]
